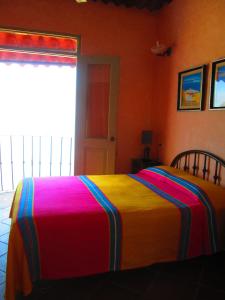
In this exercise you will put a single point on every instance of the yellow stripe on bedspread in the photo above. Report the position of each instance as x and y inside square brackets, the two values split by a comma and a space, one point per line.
[146, 218]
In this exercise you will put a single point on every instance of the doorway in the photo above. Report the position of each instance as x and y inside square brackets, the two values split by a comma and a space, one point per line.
[37, 105]
[37, 121]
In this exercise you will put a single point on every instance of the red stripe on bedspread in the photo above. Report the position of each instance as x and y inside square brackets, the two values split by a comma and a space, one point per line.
[72, 229]
[199, 242]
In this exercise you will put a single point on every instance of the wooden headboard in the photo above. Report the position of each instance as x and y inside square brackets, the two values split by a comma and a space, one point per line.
[201, 163]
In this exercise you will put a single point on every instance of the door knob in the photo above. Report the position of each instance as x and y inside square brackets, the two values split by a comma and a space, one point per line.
[112, 139]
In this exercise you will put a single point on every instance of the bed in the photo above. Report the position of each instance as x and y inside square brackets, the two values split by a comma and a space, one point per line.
[65, 227]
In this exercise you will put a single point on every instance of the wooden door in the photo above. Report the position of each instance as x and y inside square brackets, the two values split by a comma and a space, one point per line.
[97, 91]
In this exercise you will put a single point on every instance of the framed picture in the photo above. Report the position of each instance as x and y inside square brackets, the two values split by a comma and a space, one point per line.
[217, 97]
[191, 89]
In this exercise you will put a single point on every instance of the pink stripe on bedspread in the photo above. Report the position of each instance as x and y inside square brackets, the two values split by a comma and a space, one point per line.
[70, 224]
[199, 242]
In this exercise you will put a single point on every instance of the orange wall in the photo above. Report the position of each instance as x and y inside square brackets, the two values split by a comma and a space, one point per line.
[196, 29]
[104, 30]
[148, 85]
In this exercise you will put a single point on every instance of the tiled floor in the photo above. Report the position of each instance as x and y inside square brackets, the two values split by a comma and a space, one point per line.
[5, 203]
[197, 279]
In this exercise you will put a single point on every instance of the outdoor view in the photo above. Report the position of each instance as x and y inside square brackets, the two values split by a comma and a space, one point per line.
[37, 111]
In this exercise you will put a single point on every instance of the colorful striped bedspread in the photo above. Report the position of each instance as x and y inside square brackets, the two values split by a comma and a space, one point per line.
[76, 226]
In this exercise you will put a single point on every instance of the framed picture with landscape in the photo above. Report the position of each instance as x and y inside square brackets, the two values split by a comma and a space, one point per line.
[191, 89]
[217, 97]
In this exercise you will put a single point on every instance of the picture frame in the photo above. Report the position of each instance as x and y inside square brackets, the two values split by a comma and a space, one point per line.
[217, 95]
[191, 89]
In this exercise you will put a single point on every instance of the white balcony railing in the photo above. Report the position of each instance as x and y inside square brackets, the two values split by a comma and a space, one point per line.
[34, 156]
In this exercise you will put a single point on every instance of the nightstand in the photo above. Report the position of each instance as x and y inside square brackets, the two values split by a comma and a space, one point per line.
[140, 163]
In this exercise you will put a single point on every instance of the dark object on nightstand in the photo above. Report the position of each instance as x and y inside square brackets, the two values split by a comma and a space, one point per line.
[141, 163]
[146, 139]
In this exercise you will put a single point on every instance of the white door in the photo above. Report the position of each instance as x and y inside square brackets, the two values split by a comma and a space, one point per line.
[97, 92]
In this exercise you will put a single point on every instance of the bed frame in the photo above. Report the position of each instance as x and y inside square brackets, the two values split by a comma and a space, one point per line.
[209, 163]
